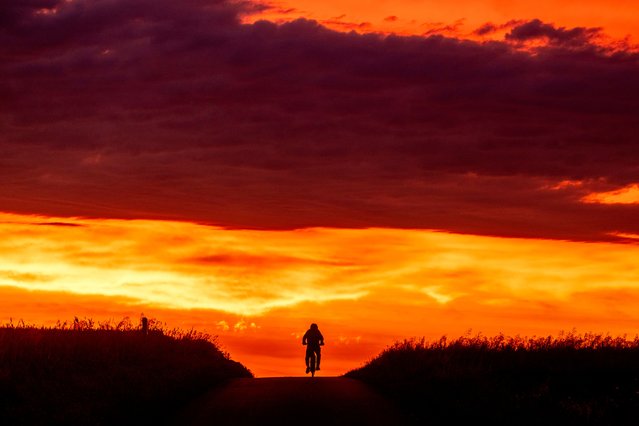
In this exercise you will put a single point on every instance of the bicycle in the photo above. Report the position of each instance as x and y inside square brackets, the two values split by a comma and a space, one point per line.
[311, 365]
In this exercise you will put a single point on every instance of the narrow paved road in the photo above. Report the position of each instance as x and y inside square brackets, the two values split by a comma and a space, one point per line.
[300, 401]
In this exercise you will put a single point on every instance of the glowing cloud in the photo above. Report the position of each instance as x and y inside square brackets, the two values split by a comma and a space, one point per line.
[182, 265]
[626, 195]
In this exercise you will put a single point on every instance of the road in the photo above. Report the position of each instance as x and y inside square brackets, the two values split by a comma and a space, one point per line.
[305, 401]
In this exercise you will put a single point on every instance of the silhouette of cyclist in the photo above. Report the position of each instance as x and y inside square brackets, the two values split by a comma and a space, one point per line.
[313, 339]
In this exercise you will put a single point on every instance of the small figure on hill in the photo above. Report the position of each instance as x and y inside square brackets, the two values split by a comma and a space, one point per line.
[313, 340]
[144, 322]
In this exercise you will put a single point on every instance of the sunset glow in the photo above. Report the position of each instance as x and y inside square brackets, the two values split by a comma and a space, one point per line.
[618, 18]
[258, 289]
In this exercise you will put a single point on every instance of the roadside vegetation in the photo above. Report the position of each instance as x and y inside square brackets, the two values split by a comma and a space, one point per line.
[103, 373]
[573, 379]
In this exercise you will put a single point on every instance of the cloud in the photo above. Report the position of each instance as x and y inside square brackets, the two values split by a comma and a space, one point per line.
[230, 259]
[56, 224]
[23, 277]
[223, 326]
[491, 28]
[487, 28]
[177, 110]
[626, 195]
[144, 262]
[536, 29]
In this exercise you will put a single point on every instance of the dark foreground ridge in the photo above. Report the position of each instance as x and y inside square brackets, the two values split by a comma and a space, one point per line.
[574, 379]
[293, 400]
[105, 374]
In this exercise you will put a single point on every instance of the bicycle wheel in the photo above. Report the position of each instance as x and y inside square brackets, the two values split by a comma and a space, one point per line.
[312, 362]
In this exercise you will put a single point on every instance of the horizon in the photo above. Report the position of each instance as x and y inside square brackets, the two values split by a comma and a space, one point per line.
[388, 171]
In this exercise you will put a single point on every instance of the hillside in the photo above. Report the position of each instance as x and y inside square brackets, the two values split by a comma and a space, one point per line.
[573, 379]
[90, 374]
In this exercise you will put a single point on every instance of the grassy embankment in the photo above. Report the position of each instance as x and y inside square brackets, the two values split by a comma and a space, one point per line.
[569, 380]
[106, 373]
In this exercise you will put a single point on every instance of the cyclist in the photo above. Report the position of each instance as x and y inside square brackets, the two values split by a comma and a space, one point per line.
[313, 339]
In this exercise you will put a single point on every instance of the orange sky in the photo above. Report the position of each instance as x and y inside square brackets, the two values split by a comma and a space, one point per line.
[618, 18]
[259, 290]
[181, 113]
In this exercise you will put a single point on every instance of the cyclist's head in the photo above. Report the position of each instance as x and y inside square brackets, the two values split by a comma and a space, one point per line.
[313, 326]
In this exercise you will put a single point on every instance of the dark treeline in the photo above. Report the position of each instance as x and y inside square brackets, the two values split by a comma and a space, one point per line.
[572, 379]
[87, 373]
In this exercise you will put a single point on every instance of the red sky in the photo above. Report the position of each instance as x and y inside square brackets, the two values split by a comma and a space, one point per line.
[222, 164]
[618, 18]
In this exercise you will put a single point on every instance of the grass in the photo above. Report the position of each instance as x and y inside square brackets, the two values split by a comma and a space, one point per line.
[89, 373]
[573, 379]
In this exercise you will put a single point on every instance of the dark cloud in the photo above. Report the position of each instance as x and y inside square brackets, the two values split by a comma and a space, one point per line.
[487, 28]
[490, 28]
[263, 261]
[157, 108]
[64, 224]
[537, 29]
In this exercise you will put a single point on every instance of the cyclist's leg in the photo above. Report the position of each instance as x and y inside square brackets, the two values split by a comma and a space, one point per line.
[318, 357]
[307, 359]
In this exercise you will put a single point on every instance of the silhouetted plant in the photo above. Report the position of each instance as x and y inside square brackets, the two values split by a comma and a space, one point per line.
[569, 379]
[88, 372]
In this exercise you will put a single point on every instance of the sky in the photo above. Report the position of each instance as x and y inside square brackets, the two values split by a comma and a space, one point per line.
[385, 169]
